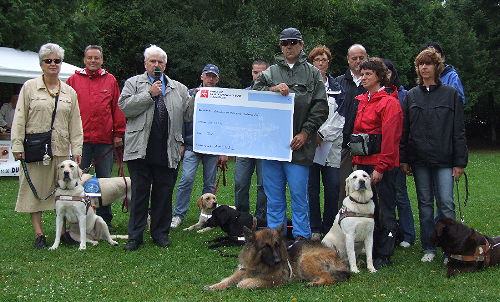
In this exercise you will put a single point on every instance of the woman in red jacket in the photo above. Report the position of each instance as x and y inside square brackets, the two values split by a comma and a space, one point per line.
[379, 115]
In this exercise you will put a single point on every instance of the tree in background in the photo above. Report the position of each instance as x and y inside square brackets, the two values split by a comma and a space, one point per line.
[233, 33]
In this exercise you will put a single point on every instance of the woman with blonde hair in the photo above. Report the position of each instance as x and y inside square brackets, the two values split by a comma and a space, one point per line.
[433, 144]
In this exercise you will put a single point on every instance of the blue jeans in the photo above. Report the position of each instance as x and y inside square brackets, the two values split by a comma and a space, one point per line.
[331, 182]
[243, 171]
[403, 205]
[276, 174]
[103, 168]
[185, 187]
[425, 179]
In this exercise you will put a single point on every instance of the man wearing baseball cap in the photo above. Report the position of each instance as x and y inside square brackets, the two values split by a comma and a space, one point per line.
[209, 78]
[294, 75]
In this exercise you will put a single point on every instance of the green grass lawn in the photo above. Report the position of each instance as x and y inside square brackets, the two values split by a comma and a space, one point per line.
[107, 273]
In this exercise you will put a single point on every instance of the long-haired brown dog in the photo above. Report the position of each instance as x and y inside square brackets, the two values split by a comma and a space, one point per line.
[264, 262]
[468, 249]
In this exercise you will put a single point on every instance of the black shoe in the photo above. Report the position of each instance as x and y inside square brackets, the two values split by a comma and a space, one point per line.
[132, 245]
[40, 242]
[161, 242]
[111, 228]
[66, 238]
[381, 262]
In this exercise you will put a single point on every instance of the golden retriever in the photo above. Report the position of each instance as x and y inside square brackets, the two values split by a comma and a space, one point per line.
[71, 204]
[207, 203]
[354, 223]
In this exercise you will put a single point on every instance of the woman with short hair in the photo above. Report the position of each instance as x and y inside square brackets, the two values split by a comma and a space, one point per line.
[379, 116]
[330, 133]
[34, 109]
[433, 144]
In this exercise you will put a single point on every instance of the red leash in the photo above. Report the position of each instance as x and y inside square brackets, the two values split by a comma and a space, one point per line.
[222, 167]
[121, 173]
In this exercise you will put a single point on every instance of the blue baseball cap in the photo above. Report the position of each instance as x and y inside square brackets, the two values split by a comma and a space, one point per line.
[211, 68]
[290, 33]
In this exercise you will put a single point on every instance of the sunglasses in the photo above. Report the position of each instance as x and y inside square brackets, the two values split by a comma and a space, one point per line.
[49, 61]
[289, 42]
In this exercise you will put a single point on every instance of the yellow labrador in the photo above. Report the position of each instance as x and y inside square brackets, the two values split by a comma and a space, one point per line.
[207, 203]
[354, 224]
[86, 226]
[112, 189]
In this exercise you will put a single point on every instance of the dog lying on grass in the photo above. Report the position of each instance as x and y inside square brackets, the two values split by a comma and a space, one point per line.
[468, 249]
[207, 203]
[264, 262]
[71, 204]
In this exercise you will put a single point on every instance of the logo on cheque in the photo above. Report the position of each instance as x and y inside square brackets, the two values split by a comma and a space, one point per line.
[204, 93]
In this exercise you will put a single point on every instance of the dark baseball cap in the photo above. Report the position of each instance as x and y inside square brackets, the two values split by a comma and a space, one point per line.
[290, 33]
[211, 68]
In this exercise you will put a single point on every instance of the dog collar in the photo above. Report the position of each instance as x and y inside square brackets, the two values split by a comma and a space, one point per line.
[69, 198]
[358, 201]
[481, 254]
[205, 215]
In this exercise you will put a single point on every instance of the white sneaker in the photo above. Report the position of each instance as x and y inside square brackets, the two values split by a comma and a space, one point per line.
[428, 257]
[445, 261]
[405, 244]
[316, 236]
[176, 221]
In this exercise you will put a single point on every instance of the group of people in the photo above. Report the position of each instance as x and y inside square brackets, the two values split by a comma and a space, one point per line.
[418, 132]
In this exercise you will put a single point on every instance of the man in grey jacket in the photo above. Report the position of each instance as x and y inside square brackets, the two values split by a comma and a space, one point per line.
[156, 108]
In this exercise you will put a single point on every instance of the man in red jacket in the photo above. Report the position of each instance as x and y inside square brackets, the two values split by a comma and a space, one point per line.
[103, 122]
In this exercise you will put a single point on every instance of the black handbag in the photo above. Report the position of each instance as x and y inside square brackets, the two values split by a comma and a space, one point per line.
[37, 145]
[363, 144]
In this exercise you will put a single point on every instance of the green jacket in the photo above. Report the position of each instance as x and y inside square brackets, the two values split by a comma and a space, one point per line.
[310, 108]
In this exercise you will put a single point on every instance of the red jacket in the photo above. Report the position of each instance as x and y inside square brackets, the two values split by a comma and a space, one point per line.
[98, 100]
[381, 114]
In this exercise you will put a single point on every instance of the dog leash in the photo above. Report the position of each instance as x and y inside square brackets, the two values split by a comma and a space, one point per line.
[462, 219]
[121, 173]
[222, 167]
[30, 183]
[94, 162]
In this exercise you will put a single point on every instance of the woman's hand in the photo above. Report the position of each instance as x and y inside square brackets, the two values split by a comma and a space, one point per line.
[77, 158]
[18, 155]
[406, 169]
[376, 176]
[457, 172]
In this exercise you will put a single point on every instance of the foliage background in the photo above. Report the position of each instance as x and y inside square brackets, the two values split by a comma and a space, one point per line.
[233, 33]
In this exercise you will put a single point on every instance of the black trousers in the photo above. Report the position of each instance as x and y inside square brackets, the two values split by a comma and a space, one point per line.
[384, 197]
[155, 182]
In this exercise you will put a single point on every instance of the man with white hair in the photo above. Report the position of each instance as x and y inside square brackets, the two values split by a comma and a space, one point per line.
[156, 107]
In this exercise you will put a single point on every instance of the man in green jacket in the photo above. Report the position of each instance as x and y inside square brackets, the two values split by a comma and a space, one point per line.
[292, 74]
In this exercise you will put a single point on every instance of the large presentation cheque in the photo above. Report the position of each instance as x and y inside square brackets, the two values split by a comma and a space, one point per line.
[245, 123]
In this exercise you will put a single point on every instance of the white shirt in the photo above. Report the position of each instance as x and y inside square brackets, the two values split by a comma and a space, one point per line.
[356, 80]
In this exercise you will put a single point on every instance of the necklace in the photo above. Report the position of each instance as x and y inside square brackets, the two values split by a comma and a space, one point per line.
[48, 90]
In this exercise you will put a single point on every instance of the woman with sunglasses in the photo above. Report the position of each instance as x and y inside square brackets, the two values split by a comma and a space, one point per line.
[329, 134]
[34, 114]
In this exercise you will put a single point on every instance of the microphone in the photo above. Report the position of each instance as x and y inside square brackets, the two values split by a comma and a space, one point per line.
[157, 74]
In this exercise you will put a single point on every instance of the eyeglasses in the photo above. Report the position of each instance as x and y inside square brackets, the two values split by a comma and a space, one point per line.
[49, 61]
[289, 42]
[321, 60]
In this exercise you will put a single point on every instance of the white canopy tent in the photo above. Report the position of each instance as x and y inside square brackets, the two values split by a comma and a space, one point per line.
[17, 66]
